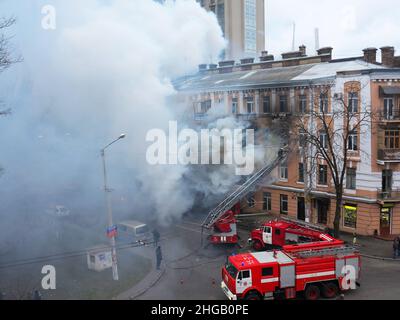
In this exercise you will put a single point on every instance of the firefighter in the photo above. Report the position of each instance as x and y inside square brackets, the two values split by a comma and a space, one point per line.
[156, 237]
[396, 247]
[37, 295]
[158, 257]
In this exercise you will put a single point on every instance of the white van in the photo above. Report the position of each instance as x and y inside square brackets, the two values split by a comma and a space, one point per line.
[133, 231]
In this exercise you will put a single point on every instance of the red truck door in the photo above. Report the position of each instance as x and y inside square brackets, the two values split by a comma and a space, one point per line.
[267, 235]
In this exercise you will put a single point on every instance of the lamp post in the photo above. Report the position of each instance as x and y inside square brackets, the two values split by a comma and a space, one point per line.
[111, 226]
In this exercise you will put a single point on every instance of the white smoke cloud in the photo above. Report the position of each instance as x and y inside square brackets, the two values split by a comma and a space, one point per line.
[106, 69]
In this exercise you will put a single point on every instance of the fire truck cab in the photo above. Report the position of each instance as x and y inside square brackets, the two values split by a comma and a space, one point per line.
[277, 233]
[284, 274]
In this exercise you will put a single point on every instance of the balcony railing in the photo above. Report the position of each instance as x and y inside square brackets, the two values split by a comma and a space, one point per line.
[200, 116]
[389, 195]
[393, 115]
[247, 116]
[389, 154]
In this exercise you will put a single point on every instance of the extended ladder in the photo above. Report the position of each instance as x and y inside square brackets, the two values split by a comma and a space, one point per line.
[241, 191]
[304, 224]
[325, 252]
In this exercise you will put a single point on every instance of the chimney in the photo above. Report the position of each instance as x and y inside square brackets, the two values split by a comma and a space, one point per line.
[302, 49]
[370, 55]
[227, 63]
[388, 56]
[202, 67]
[247, 61]
[266, 57]
[325, 50]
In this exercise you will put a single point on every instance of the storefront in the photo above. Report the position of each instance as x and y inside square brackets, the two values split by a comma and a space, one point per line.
[386, 219]
[350, 216]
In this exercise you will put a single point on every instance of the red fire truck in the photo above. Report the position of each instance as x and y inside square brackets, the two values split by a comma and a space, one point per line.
[313, 269]
[224, 229]
[277, 233]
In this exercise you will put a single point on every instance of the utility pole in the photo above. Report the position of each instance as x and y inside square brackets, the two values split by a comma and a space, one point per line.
[111, 227]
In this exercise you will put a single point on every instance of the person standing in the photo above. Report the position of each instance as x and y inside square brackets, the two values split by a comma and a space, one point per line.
[156, 237]
[396, 247]
[158, 257]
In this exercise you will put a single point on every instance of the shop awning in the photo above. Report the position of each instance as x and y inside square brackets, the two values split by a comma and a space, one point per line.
[389, 90]
[350, 208]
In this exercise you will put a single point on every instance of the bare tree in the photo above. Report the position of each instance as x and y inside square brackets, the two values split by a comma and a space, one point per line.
[7, 56]
[329, 133]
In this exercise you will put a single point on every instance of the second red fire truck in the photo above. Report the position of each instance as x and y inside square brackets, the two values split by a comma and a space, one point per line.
[313, 269]
[278, 233]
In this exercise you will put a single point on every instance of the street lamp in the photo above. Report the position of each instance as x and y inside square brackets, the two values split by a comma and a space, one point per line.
[111, 227]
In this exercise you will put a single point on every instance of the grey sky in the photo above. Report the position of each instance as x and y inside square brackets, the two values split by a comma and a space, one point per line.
[347, 25]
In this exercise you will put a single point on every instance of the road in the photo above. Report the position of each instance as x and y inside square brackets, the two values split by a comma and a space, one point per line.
[194, 273]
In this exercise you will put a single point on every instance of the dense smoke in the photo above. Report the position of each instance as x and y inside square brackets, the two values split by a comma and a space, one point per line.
[106, 69]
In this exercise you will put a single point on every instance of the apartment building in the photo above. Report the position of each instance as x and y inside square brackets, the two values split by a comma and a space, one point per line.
[268, 92]
[242, 23]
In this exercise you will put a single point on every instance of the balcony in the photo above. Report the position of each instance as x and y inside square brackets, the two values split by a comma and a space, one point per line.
[389, 155]
[390, 116]
[200, 116]
[391, 195]
[247, 116]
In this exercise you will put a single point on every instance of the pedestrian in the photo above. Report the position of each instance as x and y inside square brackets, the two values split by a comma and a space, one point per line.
[158, 257]
[37, 295]
[156, 237]
[396, 247]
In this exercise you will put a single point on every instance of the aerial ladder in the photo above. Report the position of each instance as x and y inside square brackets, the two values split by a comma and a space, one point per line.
[223, 215]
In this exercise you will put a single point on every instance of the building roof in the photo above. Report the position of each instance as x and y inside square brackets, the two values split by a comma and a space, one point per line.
[271, 77]
[132, 223]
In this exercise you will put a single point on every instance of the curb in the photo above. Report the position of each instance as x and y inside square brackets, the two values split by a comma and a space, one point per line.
[152, 284]
[378, 258]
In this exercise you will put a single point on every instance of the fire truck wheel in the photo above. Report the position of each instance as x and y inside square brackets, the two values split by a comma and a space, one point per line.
[257, 245]
[312, 292]
[252, 296]
[330, 290]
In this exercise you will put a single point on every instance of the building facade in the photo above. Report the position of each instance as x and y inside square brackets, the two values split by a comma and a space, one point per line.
[271, 92]
[242, 23]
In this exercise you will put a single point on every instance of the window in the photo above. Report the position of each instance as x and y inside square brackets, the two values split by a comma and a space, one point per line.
[353, 141]
[351, 178]
[284, 205]
[278, 232]
[234, 105]
[250, 26]
[282, 104]
[250, 105]
[251, 202]
[323, 139]
[301, 172]
[392, 139]
[205, 106]
[302, 138]
[92, 258]
[350, 216]
[267, 104]
[302, 104]
[267, 272]
[246, 274]
[388, 108]
[283, 170]
[323, 103]
[353, 102]
[323, 175]
[267, 201]
[387, 180]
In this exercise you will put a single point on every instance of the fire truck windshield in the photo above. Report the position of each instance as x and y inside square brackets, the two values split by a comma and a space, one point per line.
[231, 269]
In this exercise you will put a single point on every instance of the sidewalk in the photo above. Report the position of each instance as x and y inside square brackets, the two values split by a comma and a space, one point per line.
[146, 283]
[371, 247]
